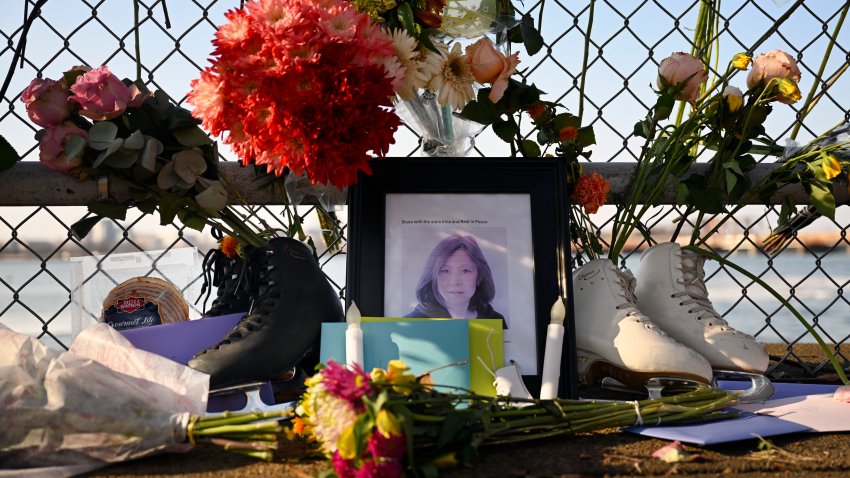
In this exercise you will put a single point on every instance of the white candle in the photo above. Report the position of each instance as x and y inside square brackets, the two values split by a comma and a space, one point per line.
[353, 337]
[552, 354]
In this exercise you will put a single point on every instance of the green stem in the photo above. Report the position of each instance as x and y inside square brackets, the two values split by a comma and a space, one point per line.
[809, 104]
[784, 302]
[584, 61]
[138, 41]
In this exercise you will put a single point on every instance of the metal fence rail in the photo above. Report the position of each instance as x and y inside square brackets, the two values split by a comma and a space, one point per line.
[628, 38]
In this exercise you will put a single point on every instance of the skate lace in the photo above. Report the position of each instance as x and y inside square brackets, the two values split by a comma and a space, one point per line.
[695, 293]
[213, 273]
[627, 283]
[255, 273]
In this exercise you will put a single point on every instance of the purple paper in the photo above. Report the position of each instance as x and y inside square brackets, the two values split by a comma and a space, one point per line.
[180, 341]
[745, 427]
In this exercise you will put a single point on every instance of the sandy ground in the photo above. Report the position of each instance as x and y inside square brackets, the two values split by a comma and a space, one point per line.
[603, 453]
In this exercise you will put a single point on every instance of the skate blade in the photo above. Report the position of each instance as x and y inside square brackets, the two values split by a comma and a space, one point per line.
[760, 389]
[253, 400]
[593, 369]
[656, 387]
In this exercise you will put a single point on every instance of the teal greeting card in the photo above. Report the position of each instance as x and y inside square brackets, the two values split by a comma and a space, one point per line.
[423, 345]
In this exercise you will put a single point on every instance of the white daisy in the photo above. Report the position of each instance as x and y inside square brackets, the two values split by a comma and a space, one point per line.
[453, 81]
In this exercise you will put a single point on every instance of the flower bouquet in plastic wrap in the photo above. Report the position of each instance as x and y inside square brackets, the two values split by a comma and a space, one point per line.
[390, 422]
[104, 401]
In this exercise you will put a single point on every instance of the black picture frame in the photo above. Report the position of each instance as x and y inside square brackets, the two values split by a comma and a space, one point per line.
[542, 179]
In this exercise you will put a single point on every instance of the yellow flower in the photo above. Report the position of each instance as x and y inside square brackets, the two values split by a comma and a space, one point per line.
[741, 61]
[347, 445]
[388, 424]
[831, 167]
[395, 375]
[734, 98]
[788, 91]
[447, 460]
[374, 8]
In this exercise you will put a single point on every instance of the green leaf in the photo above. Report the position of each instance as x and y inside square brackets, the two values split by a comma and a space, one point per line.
[454, 423]
[709, 201]
[566, 119]
[191, 136]
[641, 128]
[787, 209]
[506, 130]
[148, 206]
[664, 106]
[102, 135]
[530, 36]
[530, 149]
[483, 112]
[527, 95]
[822, 199]
[179, 118]
[192, 220]
[405, 16]
[586, 137]
[81, 228]
[8, 155]
[169, 205]
[731, 179]
[117, 211]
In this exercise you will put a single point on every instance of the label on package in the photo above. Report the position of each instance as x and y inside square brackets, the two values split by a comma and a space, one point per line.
[132, 312]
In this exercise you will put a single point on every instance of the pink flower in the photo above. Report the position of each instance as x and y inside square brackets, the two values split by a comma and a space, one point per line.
[346, 384]
[52, 147]
[842, 394]
[379, 469]
[383, 447]
[489, 65]
[683, 70]
[47, 102]
[101, 94]
[773, 64]
[343, 468]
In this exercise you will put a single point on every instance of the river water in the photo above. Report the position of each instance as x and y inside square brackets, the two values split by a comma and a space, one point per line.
[816, 293]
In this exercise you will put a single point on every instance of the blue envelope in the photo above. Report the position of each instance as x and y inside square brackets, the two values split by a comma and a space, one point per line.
[744, 427]
[437, 346]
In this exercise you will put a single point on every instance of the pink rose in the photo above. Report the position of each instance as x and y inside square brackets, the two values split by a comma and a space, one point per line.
[489, 65]
[773, 64]
[101, 94]
[684, 70]
[52, 147]
[47, 102]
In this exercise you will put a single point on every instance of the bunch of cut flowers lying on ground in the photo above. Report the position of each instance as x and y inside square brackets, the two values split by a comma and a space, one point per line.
[389, 422]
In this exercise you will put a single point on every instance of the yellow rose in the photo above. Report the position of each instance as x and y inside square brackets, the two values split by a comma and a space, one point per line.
[741, 61]
[831, 167]
[787, 90]
[734, 98]
[388, 424]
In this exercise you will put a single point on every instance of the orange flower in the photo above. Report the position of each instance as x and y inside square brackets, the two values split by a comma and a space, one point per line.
[536, 110]
[567, 133]
[297, 426]
[591, 192]
[229, 246]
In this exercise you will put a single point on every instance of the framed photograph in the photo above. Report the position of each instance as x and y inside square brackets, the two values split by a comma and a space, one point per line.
[466, 238]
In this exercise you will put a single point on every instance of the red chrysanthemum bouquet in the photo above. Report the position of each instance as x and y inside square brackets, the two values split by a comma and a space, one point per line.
[301, 84]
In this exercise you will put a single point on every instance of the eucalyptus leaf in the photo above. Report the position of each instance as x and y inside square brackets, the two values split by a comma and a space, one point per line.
[102, 135]
[135, 141]
[167, 178]
[213, 199]
[189, 164]
[75, 145]
[114, 146]
[121, 160]
[153, 148]
[191, 136]
[8, 155]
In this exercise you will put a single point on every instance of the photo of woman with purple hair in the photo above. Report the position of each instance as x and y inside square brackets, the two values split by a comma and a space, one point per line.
[456, 282]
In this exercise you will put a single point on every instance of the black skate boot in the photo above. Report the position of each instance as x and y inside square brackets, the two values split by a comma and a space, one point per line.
[223, 272]
[291, 299]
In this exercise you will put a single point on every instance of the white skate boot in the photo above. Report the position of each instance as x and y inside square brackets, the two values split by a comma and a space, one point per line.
[671, 290]
[614, 339]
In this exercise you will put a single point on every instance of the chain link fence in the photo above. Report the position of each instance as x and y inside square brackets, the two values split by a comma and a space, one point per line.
[44, 271]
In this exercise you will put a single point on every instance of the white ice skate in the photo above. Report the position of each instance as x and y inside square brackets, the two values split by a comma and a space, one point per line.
[615, 340]
[671, 289]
